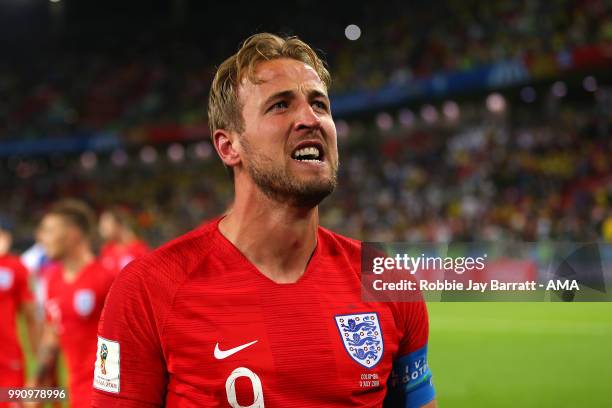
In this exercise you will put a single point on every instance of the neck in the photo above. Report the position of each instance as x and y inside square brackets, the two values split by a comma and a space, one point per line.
[76, 259]
[125, 237]
[277, 238]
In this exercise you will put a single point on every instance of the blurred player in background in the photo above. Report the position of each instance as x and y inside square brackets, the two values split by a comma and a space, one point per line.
[77, 287]
[15, 299]
[121, 244]
[262, 307]
[36, 261]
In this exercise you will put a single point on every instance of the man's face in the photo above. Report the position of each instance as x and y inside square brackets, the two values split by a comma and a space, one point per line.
[108, 227]
[57, 235]
[289, 145]
[6, 240]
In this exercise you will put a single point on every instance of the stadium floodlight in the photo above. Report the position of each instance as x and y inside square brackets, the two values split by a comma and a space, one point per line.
[406, 118]
[89, 160]
[429, 114]
[119, 158]
[176, 152]
[352, 32]
[559, 89]
[496, 103]
[590, 84]
[384, 121]
[148, 155]
[202, 150]
[451, 110]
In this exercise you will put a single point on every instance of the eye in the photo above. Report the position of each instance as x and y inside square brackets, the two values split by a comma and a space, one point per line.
[278, 105]
[320, 105]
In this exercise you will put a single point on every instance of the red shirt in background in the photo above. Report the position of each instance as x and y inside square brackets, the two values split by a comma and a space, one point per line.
[74, 308]
[14, 292]
[116, 256]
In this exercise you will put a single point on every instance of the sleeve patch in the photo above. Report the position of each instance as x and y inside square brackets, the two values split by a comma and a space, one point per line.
[106, 371]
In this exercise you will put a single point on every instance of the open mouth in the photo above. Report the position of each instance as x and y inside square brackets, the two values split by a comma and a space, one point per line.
[309, 153]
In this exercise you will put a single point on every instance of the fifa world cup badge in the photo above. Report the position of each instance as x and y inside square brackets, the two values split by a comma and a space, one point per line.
[106, 368]
[103, 355]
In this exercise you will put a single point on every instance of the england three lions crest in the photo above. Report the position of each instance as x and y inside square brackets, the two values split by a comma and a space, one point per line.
[362, 337]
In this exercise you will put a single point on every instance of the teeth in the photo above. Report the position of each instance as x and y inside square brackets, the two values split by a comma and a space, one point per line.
[307, 151]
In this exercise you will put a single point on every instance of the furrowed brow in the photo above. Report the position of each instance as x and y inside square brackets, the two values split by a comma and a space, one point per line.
[315, 93]
[279, 95]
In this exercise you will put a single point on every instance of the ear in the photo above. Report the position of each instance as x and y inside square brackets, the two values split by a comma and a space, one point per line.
[223, 141]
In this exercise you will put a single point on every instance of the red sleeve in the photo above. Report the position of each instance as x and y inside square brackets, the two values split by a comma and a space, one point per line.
[416, 327]
[22, 287]
[129, 340]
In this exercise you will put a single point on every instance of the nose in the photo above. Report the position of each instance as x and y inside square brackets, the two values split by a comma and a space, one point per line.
[306, 118]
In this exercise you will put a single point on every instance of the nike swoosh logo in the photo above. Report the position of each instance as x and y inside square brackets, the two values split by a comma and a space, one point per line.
[221, 354]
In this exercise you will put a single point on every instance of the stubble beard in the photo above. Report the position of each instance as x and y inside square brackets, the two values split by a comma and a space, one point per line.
[281, 186]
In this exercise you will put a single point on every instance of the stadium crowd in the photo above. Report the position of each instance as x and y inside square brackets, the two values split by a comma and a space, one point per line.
[529, 173]
[520, 174]
[164, 77]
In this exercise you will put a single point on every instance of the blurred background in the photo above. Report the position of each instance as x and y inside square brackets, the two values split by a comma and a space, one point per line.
[457, 121]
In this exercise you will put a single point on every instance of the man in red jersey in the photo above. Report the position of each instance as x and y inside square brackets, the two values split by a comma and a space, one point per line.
[76, 290]
[262, 307]
[121, 245]
[15, 298]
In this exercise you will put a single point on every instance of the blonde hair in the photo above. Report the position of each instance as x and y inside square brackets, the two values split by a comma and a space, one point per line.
[224, 108]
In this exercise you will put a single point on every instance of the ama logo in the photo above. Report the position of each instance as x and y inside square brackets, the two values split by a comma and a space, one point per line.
[362, 337]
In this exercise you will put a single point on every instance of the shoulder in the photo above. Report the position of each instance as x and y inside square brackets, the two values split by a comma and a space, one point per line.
[11, 269]
[145, 289]
[10, 261]
[19, 266]
[107, 248]
[172, 263]
[139, 247]
[335, 243]
[99, 273]
[7, 262]
[339, 251]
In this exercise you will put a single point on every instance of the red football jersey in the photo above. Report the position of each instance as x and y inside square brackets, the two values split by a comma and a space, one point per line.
[115, 257]
[195, 324]
[14, 292]
[74, 308]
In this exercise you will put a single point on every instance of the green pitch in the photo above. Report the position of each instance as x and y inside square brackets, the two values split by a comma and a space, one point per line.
[521, 354]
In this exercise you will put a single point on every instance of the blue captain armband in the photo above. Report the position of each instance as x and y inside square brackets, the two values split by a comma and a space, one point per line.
[411, 380]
